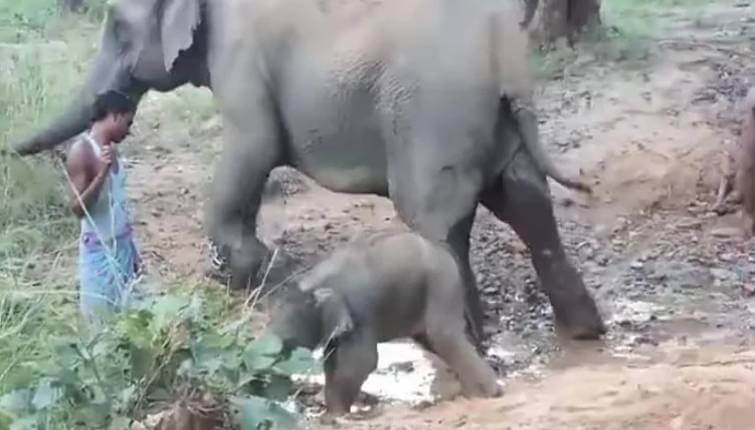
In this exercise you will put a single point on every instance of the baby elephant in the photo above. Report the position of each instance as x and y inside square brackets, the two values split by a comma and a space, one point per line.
[739, 167]
[384, 287]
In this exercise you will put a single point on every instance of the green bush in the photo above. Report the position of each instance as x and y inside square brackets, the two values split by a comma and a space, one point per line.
[55, 375]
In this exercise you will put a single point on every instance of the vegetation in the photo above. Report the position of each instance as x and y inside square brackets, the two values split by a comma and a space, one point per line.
[192, 343]
[183, 345]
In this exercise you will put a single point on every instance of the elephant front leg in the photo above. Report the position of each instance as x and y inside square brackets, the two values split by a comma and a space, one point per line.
[522, 200]
[248, 156]
[347, 365]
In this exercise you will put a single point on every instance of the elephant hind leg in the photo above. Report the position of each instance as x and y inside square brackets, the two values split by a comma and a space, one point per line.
[445, 338]
[444, 332]
[440, 205]
[521, 199]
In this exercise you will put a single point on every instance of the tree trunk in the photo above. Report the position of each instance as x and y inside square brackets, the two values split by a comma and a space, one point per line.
[583, 14]
[551, 20]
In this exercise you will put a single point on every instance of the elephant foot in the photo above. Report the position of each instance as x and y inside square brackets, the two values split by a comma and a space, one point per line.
[578, 318]
[587, 331]
[574, 309]
[274, 270]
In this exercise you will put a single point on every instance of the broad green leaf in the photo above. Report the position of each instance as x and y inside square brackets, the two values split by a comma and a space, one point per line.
[299, 362]
[269, 344]
[252, 413]
[65, 350]
[232, 359]
[258, 362]
[167, 309]
[262, 352]
[214, 340]
[212, 365]
[247, 377]
[46, 395]
[278, 387]
[210, 348]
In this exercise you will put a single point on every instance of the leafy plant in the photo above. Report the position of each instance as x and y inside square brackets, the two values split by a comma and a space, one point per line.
[140, 361]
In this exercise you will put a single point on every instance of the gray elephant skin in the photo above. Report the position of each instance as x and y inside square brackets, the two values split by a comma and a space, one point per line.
[426, 102]
[377, 289]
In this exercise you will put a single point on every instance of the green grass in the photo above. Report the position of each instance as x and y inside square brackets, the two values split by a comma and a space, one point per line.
[38, 75]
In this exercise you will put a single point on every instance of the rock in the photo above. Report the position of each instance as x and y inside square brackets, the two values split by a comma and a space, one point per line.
[403, 366]
[723, 274]
[491, 290]
[726, 232]
[749, 289]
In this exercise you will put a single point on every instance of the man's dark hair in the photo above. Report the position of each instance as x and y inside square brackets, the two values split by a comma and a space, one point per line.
[112, 102]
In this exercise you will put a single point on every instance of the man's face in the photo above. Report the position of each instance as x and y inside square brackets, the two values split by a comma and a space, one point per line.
[121, 124]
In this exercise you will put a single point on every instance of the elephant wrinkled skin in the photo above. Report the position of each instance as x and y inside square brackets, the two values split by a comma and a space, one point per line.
[427, 102]
[378, 289]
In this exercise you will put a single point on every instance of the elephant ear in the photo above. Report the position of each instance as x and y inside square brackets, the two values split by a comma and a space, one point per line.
[336, 317]
[179, 20]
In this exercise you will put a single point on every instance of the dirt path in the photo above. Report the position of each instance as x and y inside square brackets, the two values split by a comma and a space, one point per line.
[672, 287]
[689, 392]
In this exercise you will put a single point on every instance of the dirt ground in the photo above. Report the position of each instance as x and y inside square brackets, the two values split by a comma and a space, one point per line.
[675, 285]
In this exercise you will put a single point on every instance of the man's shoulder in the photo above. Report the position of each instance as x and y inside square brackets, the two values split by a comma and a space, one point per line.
[80, 151]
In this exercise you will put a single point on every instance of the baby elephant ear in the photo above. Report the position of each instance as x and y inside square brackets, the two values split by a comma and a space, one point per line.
[179, 20]
[336, 318]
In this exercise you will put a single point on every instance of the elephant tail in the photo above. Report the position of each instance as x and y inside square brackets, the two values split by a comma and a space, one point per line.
[510, 61]
[526, 122]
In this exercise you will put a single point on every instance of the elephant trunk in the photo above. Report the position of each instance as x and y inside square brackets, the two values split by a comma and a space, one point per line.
[107, 74]
[74, 120]
[528, 128]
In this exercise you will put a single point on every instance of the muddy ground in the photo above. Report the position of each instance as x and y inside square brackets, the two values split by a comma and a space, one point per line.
[673, 281]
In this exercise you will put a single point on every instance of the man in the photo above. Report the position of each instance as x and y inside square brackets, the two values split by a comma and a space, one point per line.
[109, 263]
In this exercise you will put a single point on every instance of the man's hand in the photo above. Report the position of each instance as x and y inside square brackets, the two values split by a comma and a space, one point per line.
[106, 157]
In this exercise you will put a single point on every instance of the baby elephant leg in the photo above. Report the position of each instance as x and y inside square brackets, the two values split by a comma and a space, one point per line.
[347, 365]
[448, 341]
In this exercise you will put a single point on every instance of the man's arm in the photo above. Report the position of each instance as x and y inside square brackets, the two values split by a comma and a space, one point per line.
[87, 177]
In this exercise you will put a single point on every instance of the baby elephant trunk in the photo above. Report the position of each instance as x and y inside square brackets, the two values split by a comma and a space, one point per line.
[297, 320]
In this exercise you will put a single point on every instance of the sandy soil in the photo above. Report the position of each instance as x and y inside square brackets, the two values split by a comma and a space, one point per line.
[673, 282]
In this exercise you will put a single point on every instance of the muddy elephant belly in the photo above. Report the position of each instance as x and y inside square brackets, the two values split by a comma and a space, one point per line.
[340, 145]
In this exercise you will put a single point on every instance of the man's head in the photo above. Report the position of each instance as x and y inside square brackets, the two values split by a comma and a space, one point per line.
[114, 111]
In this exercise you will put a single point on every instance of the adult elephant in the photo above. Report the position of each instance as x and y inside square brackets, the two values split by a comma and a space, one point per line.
[422, 101]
